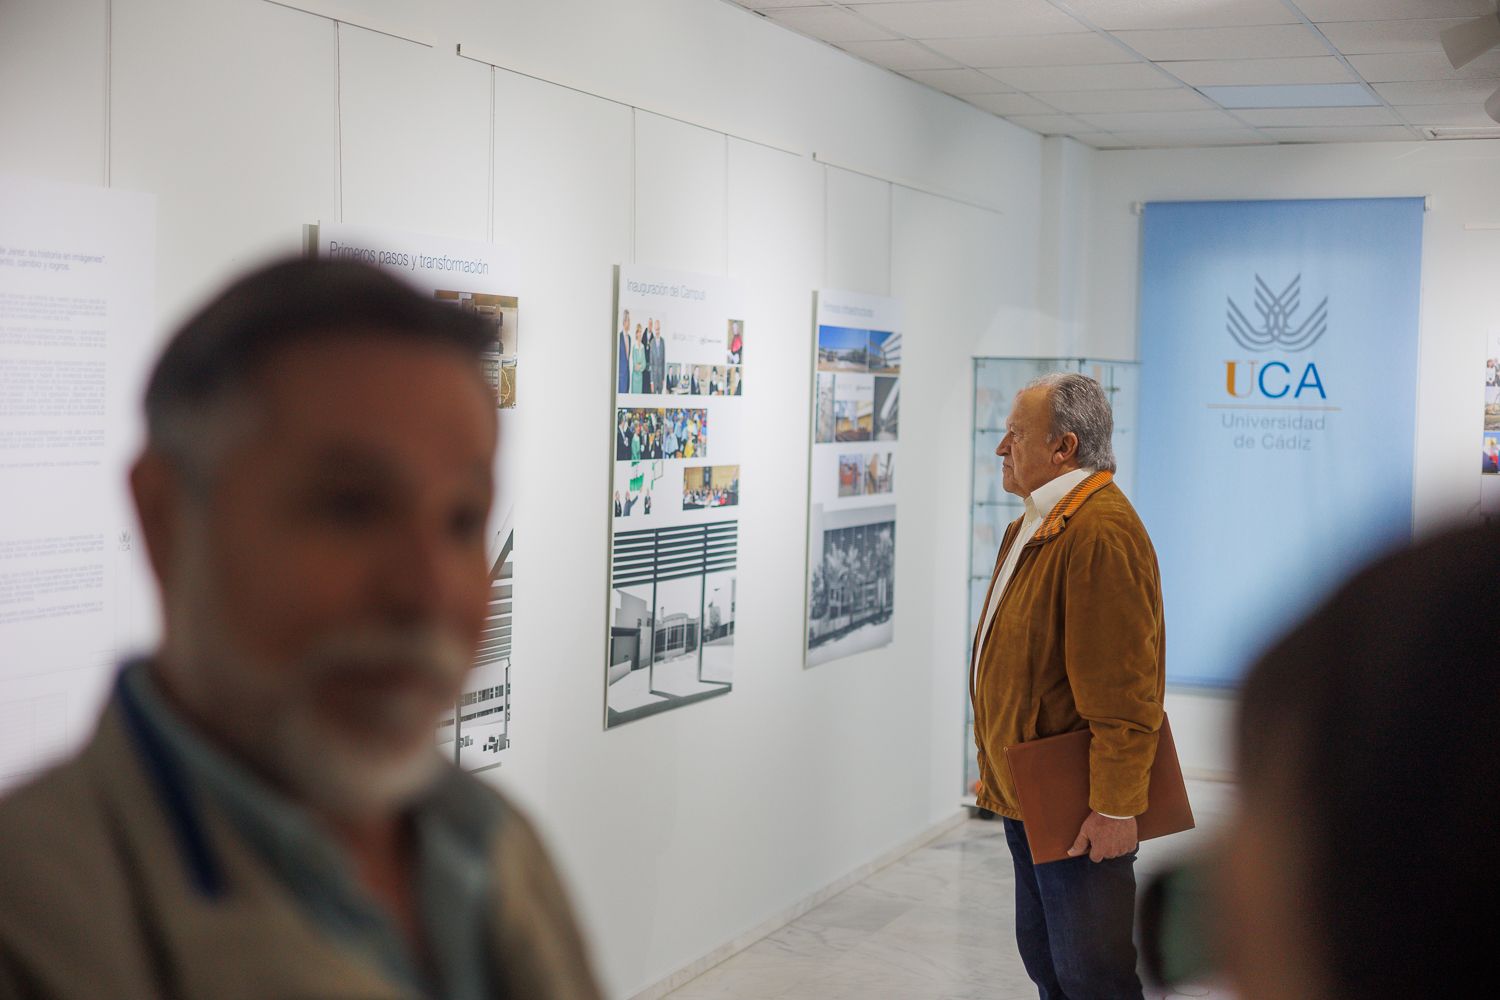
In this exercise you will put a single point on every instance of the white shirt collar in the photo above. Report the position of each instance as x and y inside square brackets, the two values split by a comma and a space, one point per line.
[1046, 496]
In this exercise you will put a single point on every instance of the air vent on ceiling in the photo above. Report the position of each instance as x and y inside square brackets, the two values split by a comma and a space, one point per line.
[1462, 133]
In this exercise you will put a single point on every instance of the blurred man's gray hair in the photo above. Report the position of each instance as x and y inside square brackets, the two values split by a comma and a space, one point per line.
[1080, 407]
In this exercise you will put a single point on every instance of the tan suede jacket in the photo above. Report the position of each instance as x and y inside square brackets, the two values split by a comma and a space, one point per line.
[1077, 640]
[97, 900]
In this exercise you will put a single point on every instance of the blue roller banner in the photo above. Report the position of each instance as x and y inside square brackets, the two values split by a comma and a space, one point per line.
[1278, 408]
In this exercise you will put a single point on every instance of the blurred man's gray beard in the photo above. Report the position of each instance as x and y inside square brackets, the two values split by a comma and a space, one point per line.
[268, 716]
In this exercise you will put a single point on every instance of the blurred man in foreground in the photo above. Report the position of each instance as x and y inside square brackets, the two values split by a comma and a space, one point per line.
[262, 811]
[1356, 865]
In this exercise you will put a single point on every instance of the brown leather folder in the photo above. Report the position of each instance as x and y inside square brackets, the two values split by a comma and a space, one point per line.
[1052, 782]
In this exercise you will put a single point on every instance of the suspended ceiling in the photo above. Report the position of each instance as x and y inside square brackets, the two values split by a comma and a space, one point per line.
[1162, 73]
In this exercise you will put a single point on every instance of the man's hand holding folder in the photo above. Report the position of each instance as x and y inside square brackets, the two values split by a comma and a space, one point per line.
[1052, 781]
[1103, 837]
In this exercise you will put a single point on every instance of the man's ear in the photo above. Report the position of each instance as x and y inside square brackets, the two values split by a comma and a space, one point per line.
[157, 487]
[1067, 448]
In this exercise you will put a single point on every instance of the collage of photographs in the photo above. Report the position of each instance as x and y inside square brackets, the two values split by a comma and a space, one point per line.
[856, 430]
[475, 732]
[642, 367]
[679, 381]
[858, 395]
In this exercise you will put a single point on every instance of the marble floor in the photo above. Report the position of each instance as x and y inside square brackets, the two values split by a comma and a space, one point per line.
[935, 925]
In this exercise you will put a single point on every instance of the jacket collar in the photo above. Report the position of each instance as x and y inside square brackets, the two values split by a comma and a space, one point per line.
[1057, 518]
[197, 886]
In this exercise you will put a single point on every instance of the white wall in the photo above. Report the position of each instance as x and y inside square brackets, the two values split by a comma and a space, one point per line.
[1458, 300]
[248, 119]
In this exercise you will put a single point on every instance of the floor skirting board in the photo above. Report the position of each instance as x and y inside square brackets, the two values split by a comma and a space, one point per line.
[699, 966]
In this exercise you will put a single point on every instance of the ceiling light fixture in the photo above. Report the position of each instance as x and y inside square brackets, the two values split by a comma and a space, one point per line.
[1463, 43]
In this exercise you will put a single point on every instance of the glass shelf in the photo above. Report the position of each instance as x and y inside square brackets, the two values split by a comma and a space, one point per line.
[996, 382]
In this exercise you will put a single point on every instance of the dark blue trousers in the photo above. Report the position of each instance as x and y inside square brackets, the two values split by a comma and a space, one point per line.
[1074, 921]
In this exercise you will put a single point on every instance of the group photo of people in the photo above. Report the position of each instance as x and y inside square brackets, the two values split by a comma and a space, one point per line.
[704, 380]
[710, 486]
[634, 482]
[651, 433]
[641, 357]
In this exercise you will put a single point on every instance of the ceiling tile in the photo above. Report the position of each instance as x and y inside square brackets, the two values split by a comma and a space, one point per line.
[1368, 133]
[1033, 50]
[1161, 121]
[1360, 37]
[829, 23]
[1121, 15]
[1467, 115]
[959, 82]
[1099, 140]
[1384, 10]
[1398, 66]
[1255, 72]
[1106, 101]
[968, 18]
[1438, 91]
[1011, 104]
[1051, 124]
[1298, 117]
[898, 55]
[1126, 76]
[1186, 139]
[1305, 95]
[769, 4]
[1265, 42]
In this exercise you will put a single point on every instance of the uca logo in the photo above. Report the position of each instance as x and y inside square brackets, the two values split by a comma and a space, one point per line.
[1277, 314]
[1272, 378]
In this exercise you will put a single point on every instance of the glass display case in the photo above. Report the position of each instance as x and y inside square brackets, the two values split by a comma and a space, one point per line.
[996, 382]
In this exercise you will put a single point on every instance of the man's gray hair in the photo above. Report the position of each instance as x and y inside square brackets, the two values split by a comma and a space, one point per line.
[1081, 407]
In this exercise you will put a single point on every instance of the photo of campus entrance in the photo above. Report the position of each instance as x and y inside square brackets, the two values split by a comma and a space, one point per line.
[672, 615]
[852, 583]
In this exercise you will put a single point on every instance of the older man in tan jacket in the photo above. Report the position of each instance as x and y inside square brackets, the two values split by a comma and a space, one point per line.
[1072, 638]
[262, 812]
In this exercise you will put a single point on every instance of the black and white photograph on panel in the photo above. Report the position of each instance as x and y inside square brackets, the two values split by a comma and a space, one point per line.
[853, 589]
[856, 400]
[483, 709]
[675, 491]
[481, 279]
[672, 611]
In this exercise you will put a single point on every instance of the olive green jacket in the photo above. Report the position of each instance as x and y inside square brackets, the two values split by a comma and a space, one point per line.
[99, 898]
[1077, 640]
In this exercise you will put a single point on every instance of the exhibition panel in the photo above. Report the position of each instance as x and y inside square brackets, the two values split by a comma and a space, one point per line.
[482, 279]
[679, 351]
[851, 562]
[75, 313]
